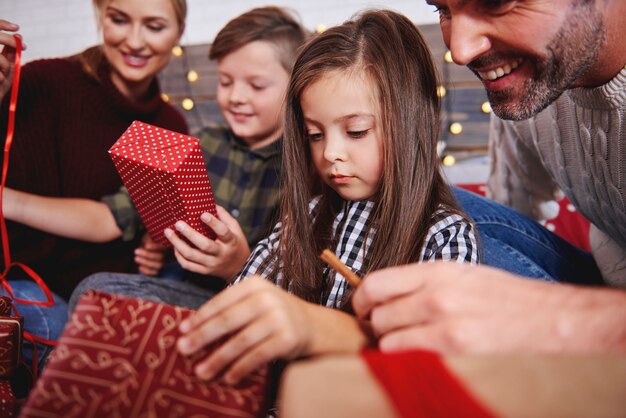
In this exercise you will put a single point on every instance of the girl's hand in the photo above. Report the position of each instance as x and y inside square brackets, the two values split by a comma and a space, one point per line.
[222, 257]
[150, 256]
[7, 57]
[261, 322]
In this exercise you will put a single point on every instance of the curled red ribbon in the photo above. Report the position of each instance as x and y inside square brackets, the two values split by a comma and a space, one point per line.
[8, 264]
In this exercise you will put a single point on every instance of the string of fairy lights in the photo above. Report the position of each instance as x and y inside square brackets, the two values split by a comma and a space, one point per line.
[452, 127]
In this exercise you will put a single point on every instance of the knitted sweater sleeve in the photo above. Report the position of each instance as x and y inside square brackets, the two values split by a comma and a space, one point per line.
[517, 176]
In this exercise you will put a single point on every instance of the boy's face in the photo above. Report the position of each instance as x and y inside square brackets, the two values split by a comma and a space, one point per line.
[525, 52]
[250, 93]
[344, 134]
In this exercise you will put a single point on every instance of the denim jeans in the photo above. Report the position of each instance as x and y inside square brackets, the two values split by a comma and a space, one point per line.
[44, 322]
[513, 242]
[156, 289]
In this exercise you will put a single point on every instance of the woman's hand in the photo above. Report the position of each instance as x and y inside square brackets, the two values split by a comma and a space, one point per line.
[261, 323]
[7, 57]
[222, 257]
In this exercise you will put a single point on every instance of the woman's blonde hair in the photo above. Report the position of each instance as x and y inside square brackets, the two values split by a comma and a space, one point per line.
[180, 8]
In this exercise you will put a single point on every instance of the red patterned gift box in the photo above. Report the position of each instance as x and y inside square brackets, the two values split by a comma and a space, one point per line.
[11, 334]
[117, 358]
[166, 177]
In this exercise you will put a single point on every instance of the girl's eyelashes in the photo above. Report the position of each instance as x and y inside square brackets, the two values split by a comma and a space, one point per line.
[358, 134]
[313, 136]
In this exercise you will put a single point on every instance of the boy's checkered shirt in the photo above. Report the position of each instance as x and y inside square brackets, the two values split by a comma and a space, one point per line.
[450, 237]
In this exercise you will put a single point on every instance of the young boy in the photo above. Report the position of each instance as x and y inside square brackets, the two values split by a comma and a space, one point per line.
[254, 54]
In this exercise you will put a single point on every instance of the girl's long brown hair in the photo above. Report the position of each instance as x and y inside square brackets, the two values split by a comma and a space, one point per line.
[392, 53]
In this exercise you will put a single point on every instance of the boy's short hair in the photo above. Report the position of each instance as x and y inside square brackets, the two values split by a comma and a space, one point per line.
[271, 24]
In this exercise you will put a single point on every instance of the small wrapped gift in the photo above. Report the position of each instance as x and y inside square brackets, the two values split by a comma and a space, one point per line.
[117, 358]
[11, 334]
[166, 177]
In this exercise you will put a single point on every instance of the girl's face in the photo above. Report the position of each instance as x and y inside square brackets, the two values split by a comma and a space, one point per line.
[138, 37]
[250, 92]
[343, 131]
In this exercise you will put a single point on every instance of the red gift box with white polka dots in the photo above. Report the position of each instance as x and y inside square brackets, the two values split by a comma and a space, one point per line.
[166, 177]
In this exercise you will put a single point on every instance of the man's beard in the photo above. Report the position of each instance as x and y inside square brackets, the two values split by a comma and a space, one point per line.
[569, 55]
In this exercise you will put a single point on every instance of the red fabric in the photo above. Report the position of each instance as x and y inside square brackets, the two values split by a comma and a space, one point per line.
[166, 177]
[117, 357]
[420, 385]
[65, 123]
[569, 224]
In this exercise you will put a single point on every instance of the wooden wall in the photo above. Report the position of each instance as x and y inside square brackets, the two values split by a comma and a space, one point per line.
[462, 102]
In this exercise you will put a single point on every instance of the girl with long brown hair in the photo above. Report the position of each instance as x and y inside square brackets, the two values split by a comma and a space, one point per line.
[362, 178]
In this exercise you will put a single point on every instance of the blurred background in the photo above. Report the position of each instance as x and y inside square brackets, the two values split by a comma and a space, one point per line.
[54, 28]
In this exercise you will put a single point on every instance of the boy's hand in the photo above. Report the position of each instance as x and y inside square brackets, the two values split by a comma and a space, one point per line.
[7, 57]
[150, 256]
[261, 323]
[222, 257]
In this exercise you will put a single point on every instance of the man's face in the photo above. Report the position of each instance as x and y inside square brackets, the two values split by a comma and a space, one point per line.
[526, 52]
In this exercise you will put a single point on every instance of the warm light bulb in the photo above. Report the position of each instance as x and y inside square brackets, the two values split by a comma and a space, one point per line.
[448, 56]
[321, 28]
[177, 51]
[456, 128]
[441, 91]
[165, 97]
[449, 160]
[187, 103]
[486, 107]
[192, 76]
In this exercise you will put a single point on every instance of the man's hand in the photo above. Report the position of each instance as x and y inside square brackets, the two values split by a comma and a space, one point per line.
[222, 257]
[455, 308]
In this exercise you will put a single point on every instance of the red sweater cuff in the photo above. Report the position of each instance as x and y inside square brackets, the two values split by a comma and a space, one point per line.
[421, 386]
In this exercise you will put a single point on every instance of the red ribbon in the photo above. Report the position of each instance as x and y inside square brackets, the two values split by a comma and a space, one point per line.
[8, 264]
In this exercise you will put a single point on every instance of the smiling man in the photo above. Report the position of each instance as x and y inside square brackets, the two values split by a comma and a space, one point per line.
[527, 53]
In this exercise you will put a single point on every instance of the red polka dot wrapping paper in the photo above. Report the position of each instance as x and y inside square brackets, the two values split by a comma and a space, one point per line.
[166, 177]
[117, 358]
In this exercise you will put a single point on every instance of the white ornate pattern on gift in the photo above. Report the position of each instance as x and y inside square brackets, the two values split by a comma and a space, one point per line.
[117, 358]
